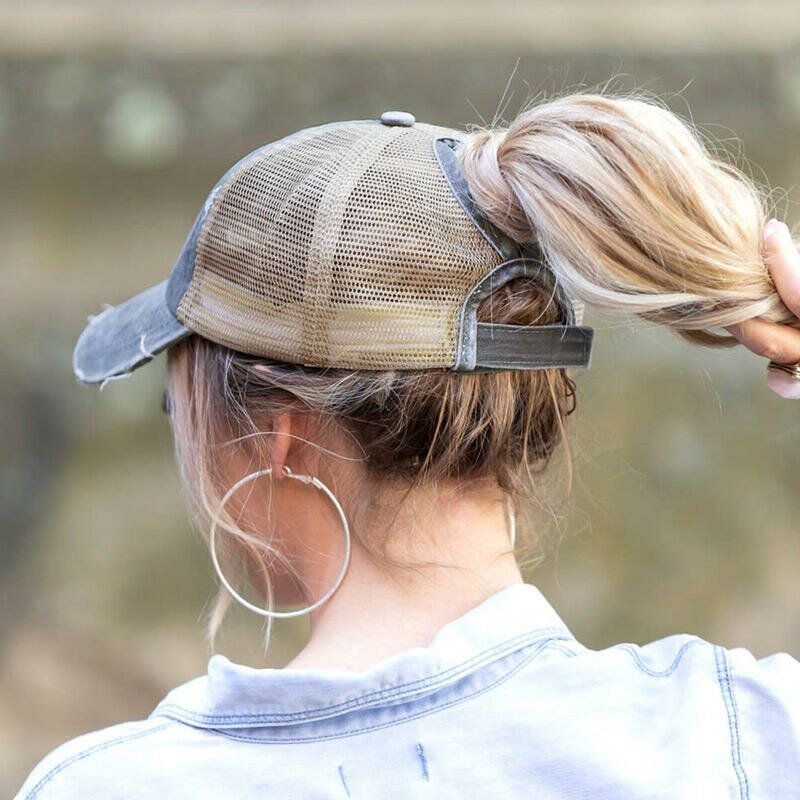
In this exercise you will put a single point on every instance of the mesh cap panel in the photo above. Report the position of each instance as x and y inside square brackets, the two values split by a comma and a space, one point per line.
[340, 245]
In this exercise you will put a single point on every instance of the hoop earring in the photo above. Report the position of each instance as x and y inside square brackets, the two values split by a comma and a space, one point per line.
[345, 526]
[512, 521]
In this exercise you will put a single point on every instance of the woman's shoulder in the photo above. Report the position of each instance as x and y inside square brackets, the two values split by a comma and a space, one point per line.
[690, 661]
[771, 677]
[86, 765]
[683, 694]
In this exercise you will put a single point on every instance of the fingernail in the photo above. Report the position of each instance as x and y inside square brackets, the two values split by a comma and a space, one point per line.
[783, 385]
[772, 227]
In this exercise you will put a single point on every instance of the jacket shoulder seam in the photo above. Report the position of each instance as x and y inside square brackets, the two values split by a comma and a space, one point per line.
[732, 711]
[75, 757]
[663, 673]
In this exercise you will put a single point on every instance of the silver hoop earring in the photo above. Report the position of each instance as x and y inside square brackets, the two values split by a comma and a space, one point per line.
[345, 526]
[512, 521]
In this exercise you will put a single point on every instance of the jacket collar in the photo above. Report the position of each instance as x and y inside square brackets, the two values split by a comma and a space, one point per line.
[233, 695]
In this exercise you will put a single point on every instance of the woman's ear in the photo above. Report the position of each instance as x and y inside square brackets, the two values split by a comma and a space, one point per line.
[280, 440]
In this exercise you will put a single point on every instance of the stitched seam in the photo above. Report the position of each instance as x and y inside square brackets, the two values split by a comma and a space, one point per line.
[562, 649]
[377, 695]
[502, 679]
[89, 751]
[454, 175]
[380, 694]
[633, 652]
[732, 711]
[390, 693]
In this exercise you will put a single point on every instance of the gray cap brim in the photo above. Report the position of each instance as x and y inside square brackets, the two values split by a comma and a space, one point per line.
[122, 338]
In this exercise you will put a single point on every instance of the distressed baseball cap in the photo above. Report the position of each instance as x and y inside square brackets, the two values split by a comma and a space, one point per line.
[352, 244]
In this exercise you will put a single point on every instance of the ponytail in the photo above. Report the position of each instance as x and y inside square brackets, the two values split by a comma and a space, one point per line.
[631, 212]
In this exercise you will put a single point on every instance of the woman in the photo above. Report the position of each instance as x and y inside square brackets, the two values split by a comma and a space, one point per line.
[368, 332]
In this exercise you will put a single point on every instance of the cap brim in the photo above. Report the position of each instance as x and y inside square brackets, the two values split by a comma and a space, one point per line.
[122, 338]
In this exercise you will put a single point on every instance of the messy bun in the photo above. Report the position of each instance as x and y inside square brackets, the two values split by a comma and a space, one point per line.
[631, 211]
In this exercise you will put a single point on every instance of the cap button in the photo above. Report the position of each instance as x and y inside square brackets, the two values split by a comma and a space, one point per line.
[401, 118]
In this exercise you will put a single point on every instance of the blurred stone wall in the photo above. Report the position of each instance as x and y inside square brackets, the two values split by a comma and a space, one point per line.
[114, 122]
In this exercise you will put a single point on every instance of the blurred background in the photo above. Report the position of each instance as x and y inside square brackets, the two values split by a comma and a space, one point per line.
[116, 119]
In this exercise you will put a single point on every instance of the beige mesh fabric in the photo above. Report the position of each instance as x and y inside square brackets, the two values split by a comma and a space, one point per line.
[341, 245]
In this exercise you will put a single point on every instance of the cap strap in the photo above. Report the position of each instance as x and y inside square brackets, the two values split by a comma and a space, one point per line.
[493, 345]
[500, 346]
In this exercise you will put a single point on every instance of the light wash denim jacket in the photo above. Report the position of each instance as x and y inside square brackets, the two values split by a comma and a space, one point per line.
[504, 703]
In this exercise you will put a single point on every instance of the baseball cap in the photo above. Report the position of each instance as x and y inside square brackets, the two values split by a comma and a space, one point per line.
[351, 244]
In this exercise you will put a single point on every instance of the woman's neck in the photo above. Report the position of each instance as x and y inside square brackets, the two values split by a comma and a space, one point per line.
[376, 613]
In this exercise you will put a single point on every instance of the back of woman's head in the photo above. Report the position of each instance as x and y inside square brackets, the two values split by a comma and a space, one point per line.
[631, 211]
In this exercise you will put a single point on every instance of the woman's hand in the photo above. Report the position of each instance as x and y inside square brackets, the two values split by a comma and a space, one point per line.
[776, 342]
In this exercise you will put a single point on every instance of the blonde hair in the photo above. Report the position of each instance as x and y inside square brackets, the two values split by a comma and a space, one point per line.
[632, 212]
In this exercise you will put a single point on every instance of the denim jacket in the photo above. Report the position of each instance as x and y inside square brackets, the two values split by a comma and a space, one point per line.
[503, 703]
